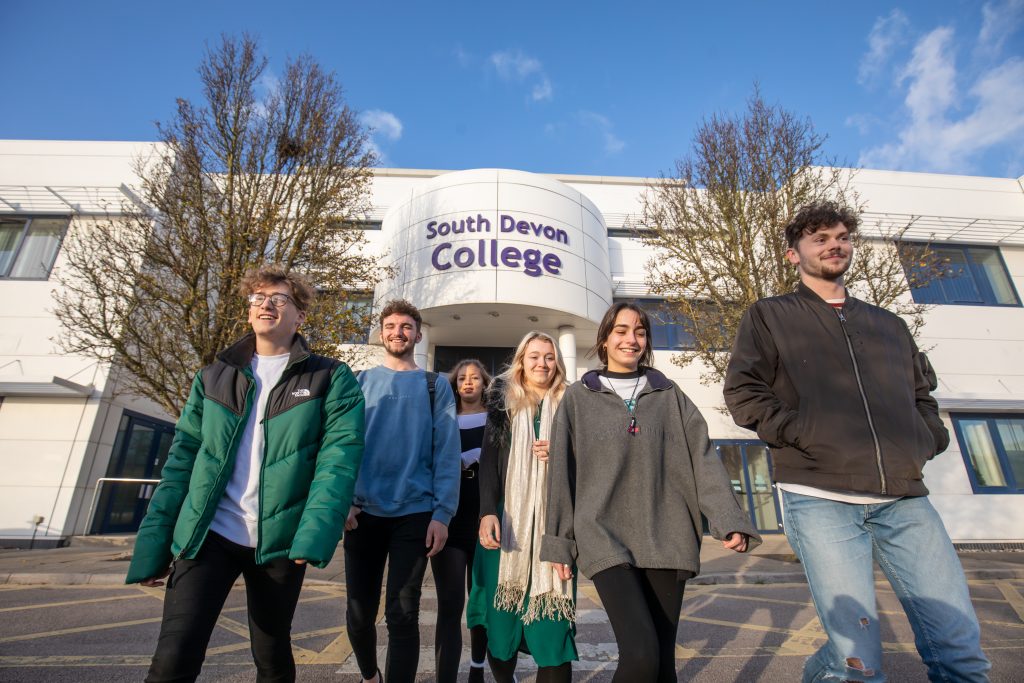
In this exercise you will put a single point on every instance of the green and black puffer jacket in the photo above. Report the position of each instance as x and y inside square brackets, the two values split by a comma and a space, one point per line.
[314, 426]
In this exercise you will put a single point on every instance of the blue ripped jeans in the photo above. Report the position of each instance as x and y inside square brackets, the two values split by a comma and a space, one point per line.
[838, 544]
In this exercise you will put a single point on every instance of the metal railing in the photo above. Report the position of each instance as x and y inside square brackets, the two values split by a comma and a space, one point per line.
[96, 495]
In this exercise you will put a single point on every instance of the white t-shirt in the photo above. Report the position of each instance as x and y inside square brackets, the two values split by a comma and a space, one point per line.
[238, 512]
[471, 421]
[628, 388]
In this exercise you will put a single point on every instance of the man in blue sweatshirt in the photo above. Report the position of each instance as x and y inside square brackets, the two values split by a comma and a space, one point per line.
[406, 493]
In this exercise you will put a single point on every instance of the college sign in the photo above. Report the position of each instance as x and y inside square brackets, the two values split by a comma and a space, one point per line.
[498, 236]
[534, 262]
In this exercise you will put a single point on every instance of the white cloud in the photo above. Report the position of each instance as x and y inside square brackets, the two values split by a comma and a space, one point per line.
[886, 35]
[382, 122]
[541, 91]
[603, 125]
[999, 22]
[944, 131]
[516, 67]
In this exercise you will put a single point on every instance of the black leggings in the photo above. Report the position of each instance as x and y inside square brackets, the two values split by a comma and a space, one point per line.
[503, 670]
[453, 578]
[643, 608]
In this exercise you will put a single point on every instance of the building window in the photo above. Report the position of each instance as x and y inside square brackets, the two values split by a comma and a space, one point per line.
[353, 319]
[957, 274]
[670, 329]
[993, 449]
[361, 307]
[749, 467]
[29, 246]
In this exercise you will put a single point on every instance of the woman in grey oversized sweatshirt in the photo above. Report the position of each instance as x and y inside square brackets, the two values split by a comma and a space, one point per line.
[631, 470]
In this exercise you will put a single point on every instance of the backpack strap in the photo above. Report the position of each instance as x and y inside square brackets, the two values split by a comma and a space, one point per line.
[431, 388]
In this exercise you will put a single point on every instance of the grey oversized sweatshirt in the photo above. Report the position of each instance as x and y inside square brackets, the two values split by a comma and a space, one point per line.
[618, 498]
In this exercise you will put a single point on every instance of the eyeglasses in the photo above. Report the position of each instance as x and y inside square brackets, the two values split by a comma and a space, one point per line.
[279, 300]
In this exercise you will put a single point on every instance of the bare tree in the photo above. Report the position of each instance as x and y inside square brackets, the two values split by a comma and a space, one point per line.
[717, 225]
[265, 170]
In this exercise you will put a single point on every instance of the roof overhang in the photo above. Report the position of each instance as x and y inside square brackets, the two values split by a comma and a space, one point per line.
[979, 403]
[44, 387]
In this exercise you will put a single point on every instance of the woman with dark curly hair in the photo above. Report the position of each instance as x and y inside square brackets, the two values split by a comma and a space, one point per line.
[452, 567]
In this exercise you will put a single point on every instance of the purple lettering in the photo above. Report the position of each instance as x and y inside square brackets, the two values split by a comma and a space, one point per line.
[435, 258]
[510, 257]
[531, 262]
[508, 224]
[552, 263]
[463, 257]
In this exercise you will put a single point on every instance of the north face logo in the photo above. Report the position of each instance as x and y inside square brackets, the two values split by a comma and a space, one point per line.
[300, 393]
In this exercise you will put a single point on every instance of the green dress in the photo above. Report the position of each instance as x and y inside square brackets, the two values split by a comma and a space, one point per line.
[550, 641]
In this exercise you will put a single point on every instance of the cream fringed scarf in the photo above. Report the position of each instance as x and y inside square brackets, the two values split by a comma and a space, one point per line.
[522, 526]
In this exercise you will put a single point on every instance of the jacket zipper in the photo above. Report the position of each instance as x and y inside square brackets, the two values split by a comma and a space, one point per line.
[263, 460]
[864, 398]
[234, 448]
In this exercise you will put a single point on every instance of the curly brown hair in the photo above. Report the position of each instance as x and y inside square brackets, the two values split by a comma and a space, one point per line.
[813, 217]
[303, 292]
[401, 307]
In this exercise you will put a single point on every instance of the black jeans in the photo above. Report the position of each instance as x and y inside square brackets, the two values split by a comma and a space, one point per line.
[643, 608]
[399, 542]
[196, 591]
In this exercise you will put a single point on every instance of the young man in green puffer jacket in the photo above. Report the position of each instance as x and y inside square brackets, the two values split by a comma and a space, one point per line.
[257, 482]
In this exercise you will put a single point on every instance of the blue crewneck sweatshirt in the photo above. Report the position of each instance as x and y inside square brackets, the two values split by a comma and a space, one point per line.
[412, 460]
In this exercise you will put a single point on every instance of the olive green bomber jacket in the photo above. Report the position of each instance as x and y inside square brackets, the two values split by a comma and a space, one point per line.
[314, 427]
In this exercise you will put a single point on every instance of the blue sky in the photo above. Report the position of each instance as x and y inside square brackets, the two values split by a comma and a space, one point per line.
[558, 87]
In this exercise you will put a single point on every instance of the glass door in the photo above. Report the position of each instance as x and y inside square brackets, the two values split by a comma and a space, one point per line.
[748, 465]
[140, 449]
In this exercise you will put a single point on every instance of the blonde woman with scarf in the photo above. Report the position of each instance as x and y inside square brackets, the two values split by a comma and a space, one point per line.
[524, 603]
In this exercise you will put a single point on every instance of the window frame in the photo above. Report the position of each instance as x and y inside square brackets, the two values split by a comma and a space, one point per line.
[971, 271]
[20, 245]
[649, 303]
[1013, 487]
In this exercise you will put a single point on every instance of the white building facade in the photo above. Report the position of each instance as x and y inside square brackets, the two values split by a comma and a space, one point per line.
[487, 255]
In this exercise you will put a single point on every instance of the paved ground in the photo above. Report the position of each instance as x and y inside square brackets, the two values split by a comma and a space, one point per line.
[64, 616]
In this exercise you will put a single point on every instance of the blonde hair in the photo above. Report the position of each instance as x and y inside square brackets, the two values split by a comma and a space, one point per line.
[514, 394]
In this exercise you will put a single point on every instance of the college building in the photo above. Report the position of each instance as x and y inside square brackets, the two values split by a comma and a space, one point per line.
[488, 254]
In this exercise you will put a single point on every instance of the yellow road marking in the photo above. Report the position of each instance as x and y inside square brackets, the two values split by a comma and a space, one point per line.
[78, 629]
[120, 624]
[1013, 597]
[67, 603]
[802, 641]
[590, 591]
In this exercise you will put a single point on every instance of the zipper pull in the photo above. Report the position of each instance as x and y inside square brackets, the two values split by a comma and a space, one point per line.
[842, 318]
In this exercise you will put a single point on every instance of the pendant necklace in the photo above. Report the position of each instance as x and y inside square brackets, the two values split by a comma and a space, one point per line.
[633, 427]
